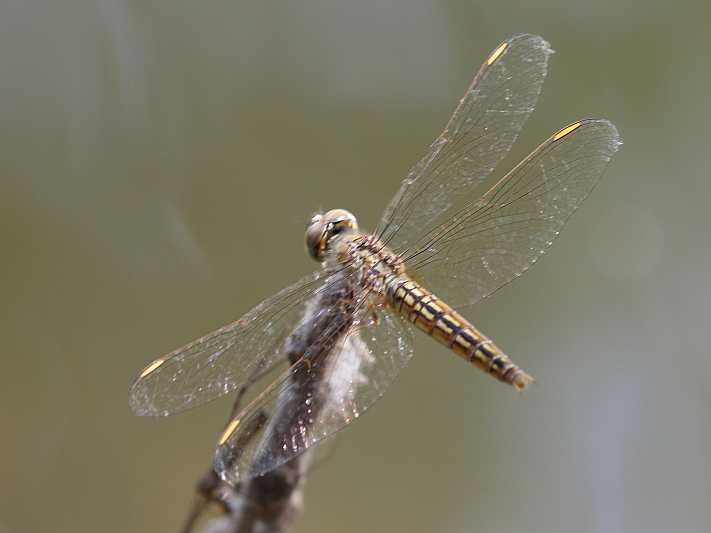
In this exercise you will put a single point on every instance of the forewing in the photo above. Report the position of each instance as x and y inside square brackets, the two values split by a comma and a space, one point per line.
[226, 359]
[480, 133]
[319, 395]
[495, 239]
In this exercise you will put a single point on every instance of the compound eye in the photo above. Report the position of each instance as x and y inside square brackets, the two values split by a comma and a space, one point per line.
[339, 228]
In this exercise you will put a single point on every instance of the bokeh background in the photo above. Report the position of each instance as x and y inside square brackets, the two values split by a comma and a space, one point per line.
[158, 162]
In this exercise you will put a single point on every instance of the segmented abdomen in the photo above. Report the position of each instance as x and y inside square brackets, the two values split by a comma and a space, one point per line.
[439, 320]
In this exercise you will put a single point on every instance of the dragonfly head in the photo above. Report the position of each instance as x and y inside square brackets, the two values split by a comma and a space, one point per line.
[324, 226]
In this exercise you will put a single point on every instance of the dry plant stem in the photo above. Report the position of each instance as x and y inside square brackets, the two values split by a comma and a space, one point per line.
[269, 503]
[273, 500]
[265, 504]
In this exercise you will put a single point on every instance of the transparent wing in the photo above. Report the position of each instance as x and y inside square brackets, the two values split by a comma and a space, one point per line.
[226, 359]
[480, 133]
[332, 383]
[495, 239]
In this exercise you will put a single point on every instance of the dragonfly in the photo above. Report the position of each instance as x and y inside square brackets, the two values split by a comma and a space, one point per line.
[334, 341]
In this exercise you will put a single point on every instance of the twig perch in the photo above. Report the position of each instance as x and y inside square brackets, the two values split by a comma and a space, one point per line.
[269, 503]
[265, 504]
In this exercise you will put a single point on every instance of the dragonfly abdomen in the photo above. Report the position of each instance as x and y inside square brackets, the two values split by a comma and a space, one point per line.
[433, 316]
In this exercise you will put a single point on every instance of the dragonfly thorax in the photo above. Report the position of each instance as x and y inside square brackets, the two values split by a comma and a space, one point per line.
[324, 226]
[375, 266]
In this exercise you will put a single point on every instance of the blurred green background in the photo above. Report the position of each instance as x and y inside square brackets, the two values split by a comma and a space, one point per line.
[159, 162]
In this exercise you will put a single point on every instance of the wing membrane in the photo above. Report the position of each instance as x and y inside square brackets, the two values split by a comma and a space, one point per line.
[226, 359]
[326, 389]
[480, 133]
[492, 241]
